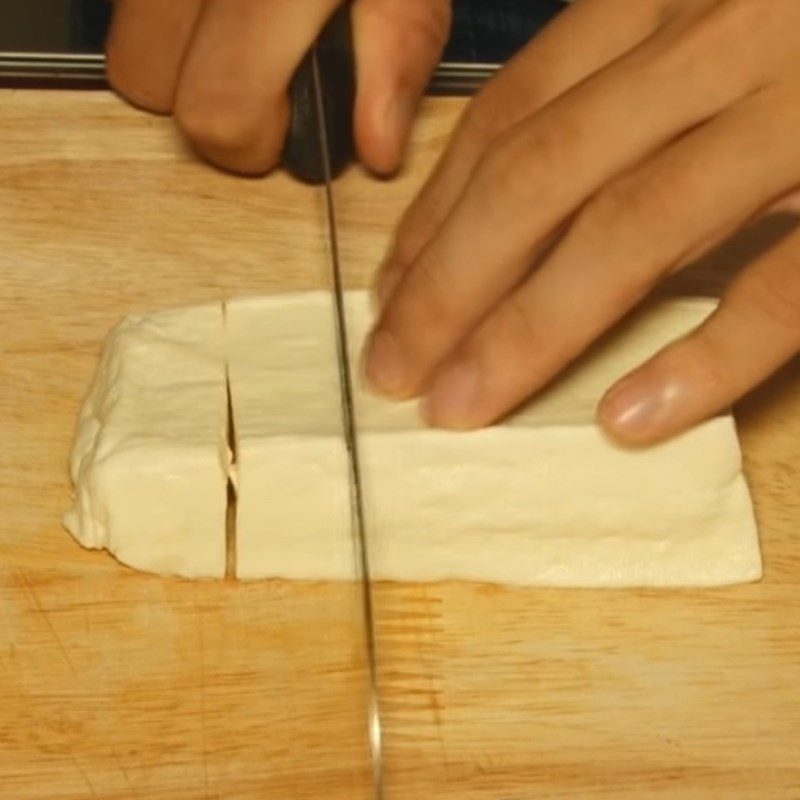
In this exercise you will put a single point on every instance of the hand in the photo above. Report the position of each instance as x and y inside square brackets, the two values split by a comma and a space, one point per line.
[223, 68]
[623, 142]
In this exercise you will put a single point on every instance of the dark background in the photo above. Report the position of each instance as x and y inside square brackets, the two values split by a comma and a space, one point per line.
[484, 31]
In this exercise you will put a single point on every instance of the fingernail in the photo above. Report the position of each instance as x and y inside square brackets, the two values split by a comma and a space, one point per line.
[452, 399]
[640, 410]
[386, 365]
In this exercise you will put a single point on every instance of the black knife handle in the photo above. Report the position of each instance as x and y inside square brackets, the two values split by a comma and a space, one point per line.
[337, 69]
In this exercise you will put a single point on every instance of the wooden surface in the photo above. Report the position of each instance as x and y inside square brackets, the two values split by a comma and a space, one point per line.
[120, 685]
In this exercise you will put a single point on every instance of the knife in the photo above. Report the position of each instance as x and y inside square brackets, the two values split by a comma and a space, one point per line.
[335, 58]
[329, 71]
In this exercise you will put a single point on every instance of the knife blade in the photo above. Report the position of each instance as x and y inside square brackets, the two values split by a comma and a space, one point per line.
[357, 515]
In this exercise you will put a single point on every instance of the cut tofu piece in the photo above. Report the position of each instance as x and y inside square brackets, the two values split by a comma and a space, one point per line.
[293, 512]
[559, 506]
[543, 499]
[150, 458]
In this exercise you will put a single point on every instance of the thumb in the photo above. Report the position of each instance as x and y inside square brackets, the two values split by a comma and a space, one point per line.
[398, 44]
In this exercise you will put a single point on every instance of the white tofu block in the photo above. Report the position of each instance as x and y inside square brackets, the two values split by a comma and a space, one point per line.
[293, 512]
[542, 499]
[150, 458]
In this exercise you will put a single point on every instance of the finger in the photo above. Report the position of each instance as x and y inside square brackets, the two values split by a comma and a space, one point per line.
[550, 65]
[232, 101]
[632, 234]
[146, 45]
[398, 45]
[755, 330]
[530, 182]
[789, 203]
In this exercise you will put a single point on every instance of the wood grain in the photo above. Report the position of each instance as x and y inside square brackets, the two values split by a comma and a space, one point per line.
[120, 685]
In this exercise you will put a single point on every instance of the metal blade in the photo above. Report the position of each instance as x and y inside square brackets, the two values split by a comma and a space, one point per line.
[360, 542]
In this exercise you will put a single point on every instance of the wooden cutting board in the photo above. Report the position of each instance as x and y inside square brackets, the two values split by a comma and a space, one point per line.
[119, 685]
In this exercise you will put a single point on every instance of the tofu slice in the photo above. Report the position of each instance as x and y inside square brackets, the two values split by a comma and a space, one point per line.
[150, 458]
[293, 513]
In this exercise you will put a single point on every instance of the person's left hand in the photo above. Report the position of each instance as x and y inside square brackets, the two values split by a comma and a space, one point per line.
[623, 142]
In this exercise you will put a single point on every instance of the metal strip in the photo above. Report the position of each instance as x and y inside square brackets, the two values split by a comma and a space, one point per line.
[47, 69]
[361, 547]
[88, 70]
[460, 79]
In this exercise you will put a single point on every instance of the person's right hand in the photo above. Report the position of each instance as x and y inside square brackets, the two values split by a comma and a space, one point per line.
[623, 142]
[223, 68]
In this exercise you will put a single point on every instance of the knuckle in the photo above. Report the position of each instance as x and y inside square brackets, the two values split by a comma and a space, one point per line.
[216, 126]
[639, 213]
[208, 129]
[511, 167]
[425, 19]
[430, 291]
[494, 169]
[630, 202]
[776, 290]
[713, 30]
[637, 222]
[479, 125]
[428, 22]
[506, 99]
[408, 241]
[744, 16]
[413, 34]
[704, 360]
[510, 96]
[421, 305]
[515, 327]
[154, 96]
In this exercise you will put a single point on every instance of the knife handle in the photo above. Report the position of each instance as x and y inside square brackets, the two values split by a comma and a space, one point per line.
[335, 55]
